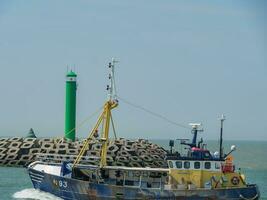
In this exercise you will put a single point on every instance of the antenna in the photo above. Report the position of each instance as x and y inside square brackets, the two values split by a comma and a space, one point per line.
[112, 94]
[195, 130]
[222, 118]
[196, 126]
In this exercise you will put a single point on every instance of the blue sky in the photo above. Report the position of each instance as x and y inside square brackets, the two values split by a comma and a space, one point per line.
[190, 61]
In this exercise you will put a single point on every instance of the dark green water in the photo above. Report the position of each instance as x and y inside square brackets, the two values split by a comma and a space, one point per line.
[250, 157]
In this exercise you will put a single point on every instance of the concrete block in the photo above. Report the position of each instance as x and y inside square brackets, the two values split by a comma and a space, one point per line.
[26, 157]
[161, 152]
[3, 162]
[14, 145]
[119, 142]
[74, 157]
[138, 146]
[4, 144]
[156, 157]
[123, 153]
[51, 151]
[134, 164]
[46, 145]
[152, 151]
[123, 159]
[62, 146]
[129, 143]
[34, 151]
[15, 139]
[11, 156]
[141, 152]
[27, 145]
[80, 146]
[61, 158]
[96, 147]
[110, 159]
[3, 150]
[143, 141]
[2, 156]
[72, 151]
[83, 141]
[111, 153]
[23, 163]
[150, 164]
[117, 163]
[91, 158]
[46, 157]
[89, 162]
[67, 158]
[93, 153]
[160, 163]
[46, 140]
[113, 148]
[60, 140]
[39, 156]
[13, 151]
[26, 140]
[3, 139]
[62, 151]
[146, 158]
[12, 163]
[129, 149]
[135, 159]
[155, 146]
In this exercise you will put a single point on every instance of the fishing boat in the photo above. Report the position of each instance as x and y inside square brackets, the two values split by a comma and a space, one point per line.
[198, 174]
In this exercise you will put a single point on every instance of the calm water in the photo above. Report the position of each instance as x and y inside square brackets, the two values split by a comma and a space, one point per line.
[250, 157]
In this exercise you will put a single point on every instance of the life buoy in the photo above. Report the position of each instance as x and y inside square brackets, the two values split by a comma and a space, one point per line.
[235, 180]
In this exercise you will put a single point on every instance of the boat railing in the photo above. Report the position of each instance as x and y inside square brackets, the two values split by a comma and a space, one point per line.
[142, 183]
[59, 158]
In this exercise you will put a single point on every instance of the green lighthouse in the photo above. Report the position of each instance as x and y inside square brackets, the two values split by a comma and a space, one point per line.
[70, 113]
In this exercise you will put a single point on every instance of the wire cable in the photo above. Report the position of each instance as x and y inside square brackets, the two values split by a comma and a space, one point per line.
[113, 127]
[153, 113]
[85, 120]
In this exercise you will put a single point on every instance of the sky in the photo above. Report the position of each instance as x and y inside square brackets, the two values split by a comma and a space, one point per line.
[189, 61]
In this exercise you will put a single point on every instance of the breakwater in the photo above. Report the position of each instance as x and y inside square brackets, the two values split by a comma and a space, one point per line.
[18, 151]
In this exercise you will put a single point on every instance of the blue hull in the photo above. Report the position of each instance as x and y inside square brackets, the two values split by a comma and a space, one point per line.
[68, 188]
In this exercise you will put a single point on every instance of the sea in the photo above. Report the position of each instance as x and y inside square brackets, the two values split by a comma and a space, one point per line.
[250, 157]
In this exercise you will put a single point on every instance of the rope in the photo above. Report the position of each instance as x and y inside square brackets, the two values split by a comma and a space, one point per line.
[154, 114]
[86, 142]
[113, 127]
[85, 120]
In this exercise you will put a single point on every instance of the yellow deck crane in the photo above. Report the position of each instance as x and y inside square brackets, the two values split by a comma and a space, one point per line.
[105, 118]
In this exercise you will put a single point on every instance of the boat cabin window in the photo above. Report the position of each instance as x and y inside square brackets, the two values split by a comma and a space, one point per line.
[170, 164]
[197, 165]
[207, 165]
[186, 165]
[179, 164]
[217, 165]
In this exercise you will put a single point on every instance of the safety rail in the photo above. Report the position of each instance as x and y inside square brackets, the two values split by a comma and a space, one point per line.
[59, 158]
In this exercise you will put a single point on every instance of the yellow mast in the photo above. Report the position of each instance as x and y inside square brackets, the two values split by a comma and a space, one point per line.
[109, 105]
[104, 118]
